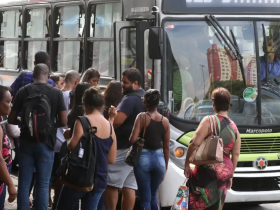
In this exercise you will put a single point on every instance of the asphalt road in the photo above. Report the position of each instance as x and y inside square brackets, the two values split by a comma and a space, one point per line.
[253, 207]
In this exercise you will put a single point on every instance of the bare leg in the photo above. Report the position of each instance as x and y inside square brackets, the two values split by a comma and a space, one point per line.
[128, 199]
[111, 196]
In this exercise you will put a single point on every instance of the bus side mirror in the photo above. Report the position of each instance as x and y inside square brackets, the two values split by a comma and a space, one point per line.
[155, 40]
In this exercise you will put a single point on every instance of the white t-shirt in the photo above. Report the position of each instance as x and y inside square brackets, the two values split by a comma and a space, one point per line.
[59, 135]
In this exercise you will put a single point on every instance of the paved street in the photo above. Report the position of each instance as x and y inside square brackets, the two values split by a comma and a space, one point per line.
[253, 207]
[12, 206]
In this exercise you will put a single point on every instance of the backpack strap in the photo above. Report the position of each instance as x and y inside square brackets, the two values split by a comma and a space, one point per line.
[86, 126]
[30, 91]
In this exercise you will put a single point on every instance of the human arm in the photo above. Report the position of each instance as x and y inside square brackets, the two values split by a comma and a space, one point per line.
[4, 174]
[62, 119]
[136, 129]
[200, 134]
[234, 156]
[112, 114]
[166, 142]
[119, 119]
[113, 151]
[76, 136]
[61, 109]
[17, 107]
[125, 109]
[236, 151]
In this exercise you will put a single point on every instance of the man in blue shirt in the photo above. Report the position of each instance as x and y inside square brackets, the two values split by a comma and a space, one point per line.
[273, 63]
[121, 175]
[26, 77]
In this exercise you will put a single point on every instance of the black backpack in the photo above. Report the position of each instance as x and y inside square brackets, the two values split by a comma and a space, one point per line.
[80, 172]
[36, 115]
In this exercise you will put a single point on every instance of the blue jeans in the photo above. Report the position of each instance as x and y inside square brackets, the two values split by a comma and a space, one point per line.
[101, 205]
[38, 155]
[69, 197]
[3, 195]
[149, 173]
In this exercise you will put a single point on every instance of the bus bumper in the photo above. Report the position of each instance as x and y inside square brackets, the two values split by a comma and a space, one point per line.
[169, 187]
[261, 196]
[175, 177]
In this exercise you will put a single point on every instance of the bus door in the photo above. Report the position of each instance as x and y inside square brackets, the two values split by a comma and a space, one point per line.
[131, 49]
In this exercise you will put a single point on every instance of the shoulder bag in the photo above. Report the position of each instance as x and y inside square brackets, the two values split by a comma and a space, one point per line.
[134, 152]
[211, 149]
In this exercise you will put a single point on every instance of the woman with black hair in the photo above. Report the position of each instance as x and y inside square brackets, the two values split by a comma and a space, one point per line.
[105, 138]
[153, 162]
[5, 146]
[77, 109]
[113, 96]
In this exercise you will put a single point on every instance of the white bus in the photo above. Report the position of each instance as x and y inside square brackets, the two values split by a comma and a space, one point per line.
[185, 48]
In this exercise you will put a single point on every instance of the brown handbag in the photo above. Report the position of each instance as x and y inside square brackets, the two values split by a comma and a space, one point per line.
[211, 149]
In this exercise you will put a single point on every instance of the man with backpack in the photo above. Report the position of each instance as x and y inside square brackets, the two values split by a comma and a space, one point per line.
[26, 77]
[40, 105]
[120, 175]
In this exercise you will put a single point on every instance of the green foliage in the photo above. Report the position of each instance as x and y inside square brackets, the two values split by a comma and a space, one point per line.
[235, 87]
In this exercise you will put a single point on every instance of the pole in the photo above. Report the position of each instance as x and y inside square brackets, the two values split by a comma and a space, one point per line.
[202, 66]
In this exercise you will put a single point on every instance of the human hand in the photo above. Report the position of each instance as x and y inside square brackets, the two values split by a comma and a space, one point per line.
[112, 113]
[12, 193]
[67, 134]
[187, 170]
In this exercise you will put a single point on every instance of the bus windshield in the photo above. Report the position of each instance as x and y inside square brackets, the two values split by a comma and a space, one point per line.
[198, 61]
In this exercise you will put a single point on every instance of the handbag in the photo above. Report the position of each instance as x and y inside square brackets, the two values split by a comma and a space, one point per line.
[182, 198]
[211, 149]
[134, 152]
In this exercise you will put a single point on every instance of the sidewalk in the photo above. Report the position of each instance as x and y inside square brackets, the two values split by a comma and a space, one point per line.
[13, 206]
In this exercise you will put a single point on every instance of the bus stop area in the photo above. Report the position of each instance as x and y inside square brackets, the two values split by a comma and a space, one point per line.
[13, 206]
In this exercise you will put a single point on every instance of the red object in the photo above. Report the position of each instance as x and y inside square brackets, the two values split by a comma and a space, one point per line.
[180, 201]
[35, 128]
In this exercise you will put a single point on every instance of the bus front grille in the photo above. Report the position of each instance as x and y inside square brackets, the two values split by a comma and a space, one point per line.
[255, 184]
[260, 145]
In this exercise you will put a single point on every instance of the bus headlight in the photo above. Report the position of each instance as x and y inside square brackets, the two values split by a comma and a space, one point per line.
[177, 153]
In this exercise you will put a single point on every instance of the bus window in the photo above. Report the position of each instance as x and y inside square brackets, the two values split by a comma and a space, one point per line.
[270, 94]
[202, 62]
[128, 48]
[10, 29]
[68, 41]
[37, 27]
[100, 51]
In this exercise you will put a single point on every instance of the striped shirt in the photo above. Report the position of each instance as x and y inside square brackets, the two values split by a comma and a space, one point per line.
[25, 78]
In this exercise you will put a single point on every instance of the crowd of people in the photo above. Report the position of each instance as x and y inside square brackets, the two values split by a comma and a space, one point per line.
[118, 116]
[113, 114]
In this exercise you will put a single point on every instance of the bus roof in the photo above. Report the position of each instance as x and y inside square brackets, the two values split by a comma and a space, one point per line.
[221, 7]
[5, 3]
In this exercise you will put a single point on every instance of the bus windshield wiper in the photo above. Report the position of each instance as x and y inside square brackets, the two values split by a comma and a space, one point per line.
[265, 53]
[232, 45]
